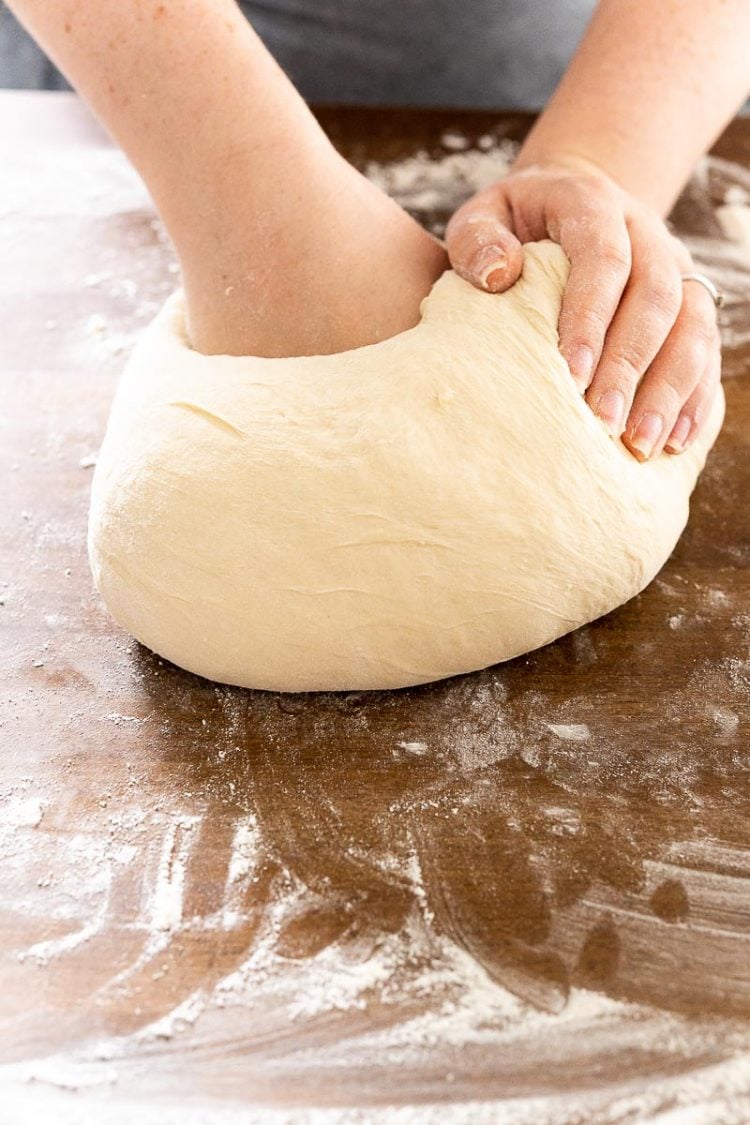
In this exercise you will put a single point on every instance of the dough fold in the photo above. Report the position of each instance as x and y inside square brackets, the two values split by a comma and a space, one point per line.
[425, 506]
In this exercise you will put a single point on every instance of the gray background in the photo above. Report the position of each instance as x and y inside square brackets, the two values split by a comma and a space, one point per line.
[481, 53]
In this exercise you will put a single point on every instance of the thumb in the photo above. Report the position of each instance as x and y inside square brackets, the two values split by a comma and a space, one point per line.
[481, 245]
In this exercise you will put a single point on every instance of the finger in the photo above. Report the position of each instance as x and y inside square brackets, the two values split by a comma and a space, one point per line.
[480, 242]
[648, 310]
[595, 238]
[698, 407]
[673, 376]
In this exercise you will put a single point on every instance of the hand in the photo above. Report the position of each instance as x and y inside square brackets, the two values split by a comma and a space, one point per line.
[642, 346]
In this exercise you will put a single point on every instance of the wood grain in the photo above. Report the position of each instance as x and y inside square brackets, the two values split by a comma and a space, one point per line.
[530, 882]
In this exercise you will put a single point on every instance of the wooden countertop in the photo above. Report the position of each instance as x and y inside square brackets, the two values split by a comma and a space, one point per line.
[527, 888]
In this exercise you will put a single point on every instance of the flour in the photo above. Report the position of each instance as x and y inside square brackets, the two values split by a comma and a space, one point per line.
[424, 183]
[404, 997]
[95, 324]
[166, 904]
[24, 812]
[417, 748]
[726, 720]
[571, 732]
[431, 186]
[370, 1003]
[736, 195]
[735, 222]
[179, 1019]
[245, 848]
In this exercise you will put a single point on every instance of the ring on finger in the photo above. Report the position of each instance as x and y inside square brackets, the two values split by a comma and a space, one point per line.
[714, 292]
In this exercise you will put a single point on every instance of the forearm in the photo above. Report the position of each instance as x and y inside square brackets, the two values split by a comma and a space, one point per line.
[189, 92]
[285, 249]
[649, 89]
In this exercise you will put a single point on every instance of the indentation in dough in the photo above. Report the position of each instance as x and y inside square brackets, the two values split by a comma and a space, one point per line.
[210, 417]
[365, 535]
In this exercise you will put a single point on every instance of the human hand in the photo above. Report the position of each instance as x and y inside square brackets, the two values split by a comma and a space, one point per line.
[642, 345]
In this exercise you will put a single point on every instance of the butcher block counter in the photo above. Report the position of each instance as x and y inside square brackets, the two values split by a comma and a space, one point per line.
[520, 895]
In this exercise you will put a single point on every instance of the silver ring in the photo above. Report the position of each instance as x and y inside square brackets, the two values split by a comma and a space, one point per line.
[717, 296]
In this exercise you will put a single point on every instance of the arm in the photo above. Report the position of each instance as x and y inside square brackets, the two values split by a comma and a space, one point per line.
[650, 87]
[213, 126]
[284, 248]
[190, 94]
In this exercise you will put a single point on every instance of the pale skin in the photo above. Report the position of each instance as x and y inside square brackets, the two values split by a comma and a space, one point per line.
[285, 249]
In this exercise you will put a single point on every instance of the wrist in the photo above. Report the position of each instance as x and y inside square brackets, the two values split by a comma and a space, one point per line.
[566, 160]
[628, 175]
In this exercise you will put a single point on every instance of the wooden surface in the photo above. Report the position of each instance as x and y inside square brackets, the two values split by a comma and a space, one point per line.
[520, 895]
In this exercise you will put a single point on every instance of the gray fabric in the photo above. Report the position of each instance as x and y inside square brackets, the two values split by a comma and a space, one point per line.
[22, 65]
[493, 53]
[475, 53]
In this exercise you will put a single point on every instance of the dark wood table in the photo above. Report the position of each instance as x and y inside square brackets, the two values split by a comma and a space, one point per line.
[519, 895]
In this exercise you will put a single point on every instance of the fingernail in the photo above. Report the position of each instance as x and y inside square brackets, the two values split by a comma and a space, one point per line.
[677, 439]
[645, 436]
[488, 266]
[611, 409]
[494, 280]
[581, 364]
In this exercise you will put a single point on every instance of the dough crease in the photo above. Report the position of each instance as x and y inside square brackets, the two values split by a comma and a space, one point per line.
[418, 508]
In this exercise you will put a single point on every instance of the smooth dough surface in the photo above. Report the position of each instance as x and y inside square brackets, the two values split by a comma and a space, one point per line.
[428, 505]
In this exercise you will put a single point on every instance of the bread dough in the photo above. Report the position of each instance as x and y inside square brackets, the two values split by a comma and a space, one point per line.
[424, 506]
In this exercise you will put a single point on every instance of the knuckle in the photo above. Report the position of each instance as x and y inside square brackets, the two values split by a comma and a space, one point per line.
[587, 327]
[594, 188]
[595, 322]
[605, 385]
[663, 297]
[625, 370]
[459, 226]
[615, 257]
[671, 394]
[695, 357]
[708, 386]
[700, 330]
[697, 407]
[700, 401]
[698, 304]
[469, 216]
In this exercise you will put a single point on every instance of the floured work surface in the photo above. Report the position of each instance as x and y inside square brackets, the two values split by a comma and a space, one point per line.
[521, 895]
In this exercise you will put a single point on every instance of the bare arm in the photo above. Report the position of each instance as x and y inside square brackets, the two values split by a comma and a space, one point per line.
[651, 86]
[285, 249]
[190, 93]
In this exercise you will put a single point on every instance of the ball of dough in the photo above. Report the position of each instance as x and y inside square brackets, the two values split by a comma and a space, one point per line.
[424, 506]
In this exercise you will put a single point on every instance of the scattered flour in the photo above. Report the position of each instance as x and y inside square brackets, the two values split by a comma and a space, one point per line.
[179, 1019]
[423, 183]
[726, 720]
[25, 812]
[419, 749]
[95, 325]
[735, 222]
[431, 995]
[245, 848]
[570, 732]
[432, 186]
[166, 904]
